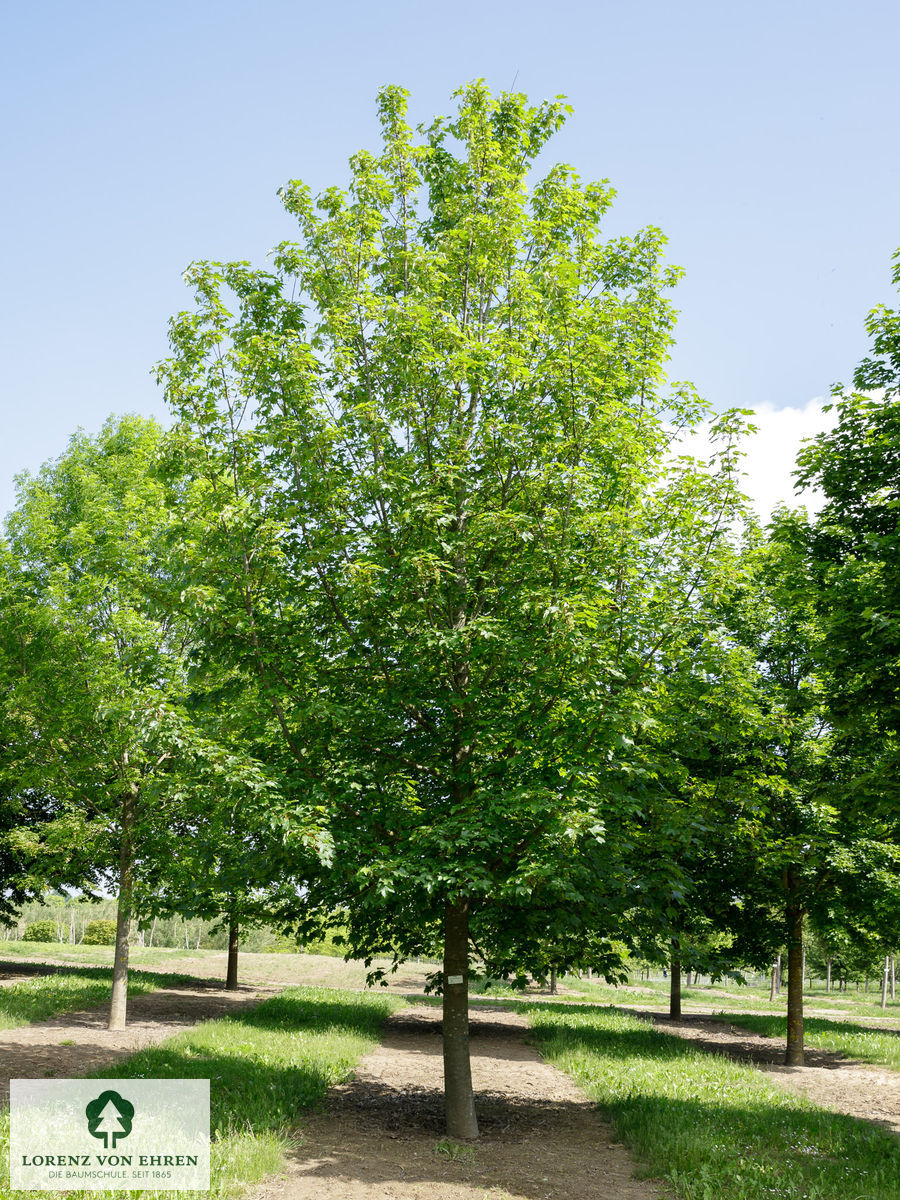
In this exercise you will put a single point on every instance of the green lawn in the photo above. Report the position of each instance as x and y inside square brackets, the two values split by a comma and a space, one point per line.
[47, 996]
[266, 1067]
[726, 995]
[881, 1046]
[97, 955]
[713, 1129]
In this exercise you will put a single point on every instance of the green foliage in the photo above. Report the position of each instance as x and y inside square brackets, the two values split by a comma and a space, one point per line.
[431, 515]
[41, 931]
[151, 790]
[853, 552]
[100, 933]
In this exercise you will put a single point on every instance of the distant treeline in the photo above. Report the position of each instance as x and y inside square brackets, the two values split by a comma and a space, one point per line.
[73, 916]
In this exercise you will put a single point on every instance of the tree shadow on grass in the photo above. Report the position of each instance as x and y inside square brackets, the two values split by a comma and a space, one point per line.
[776, 1025]
[779, 1142]
[156, 978]
[619, 1044]
[245, 1093]
[743, 1144]
[260, 1080]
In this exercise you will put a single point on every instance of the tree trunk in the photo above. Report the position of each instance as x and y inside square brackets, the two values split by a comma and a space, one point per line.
[773, 983]
[553, 979]
[688, 978]
[778, 975]
[793, 1055]
[231, 976]
[675, 984]
[827, 974]
[459, 1100]
[893, 977]
[884, 980]
[119, 999]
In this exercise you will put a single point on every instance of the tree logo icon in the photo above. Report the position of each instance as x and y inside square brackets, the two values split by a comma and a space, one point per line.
[109, 1116]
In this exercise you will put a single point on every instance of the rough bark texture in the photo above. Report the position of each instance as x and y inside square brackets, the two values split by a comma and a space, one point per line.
[459, 1100]
[231, 975]
[119, 999]
[553, 981]
[675, 984]
[793, 1056]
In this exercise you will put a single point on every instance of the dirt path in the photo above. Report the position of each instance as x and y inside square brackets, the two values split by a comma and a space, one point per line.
[829, 1079]
[380, 1137]
[76, 1043]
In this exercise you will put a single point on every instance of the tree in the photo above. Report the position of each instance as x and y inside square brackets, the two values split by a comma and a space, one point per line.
[691, 868]
[433, 505]
[23, 804]
[853, 552]
[102, 679]
[816, 847]
[82, 538]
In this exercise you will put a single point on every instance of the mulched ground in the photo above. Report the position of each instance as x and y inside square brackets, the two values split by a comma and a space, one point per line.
[78, 1043]
[380, 1137]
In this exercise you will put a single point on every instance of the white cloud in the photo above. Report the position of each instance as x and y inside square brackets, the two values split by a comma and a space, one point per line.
[771, 454]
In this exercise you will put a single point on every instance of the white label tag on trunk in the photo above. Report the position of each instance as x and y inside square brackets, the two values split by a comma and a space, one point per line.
[454, 978]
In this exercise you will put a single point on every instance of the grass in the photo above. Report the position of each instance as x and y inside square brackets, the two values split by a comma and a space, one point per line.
[266, 1067]
[881, 1046]
[726, 995]
[289, 969]
[97, 955]
[655, 994]
[713, 1129]
[47, 996]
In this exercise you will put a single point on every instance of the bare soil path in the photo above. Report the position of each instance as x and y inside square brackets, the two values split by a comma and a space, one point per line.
[380, 1135]
[78, 1042]
[829, 1079]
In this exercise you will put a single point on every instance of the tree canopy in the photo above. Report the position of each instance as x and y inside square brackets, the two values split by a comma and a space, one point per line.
[433, 501]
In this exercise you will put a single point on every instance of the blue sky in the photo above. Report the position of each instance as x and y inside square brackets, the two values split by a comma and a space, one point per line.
[137, 137]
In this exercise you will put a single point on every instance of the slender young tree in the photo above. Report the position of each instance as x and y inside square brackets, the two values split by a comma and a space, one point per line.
[101, 667]
[818, 846]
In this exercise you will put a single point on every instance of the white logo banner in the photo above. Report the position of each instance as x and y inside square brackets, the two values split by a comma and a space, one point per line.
[102, 1134]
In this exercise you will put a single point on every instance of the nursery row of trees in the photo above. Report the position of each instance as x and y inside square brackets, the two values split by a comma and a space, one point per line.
[419, 619]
